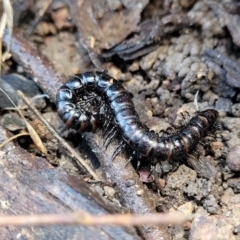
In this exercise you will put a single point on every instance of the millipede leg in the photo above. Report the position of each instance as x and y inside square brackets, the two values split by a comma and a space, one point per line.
[106, 125]
[111, 134]
[129, 160]
[120, 147]
[138, 164]
[202, 143]
[195, 153]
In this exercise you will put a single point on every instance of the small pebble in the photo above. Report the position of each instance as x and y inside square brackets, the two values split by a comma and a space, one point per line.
[211, 227]
[187, 208]
[164, 94]
[233, 159]
[226, 136]
[130, 182]
[224, 106]
[237, 229]
[109, 191]
[234, 183]
[134, 66]
[140, 192]
[99, 190]
[216, 145]
[211, 204]
[236, 110]
[147, 62]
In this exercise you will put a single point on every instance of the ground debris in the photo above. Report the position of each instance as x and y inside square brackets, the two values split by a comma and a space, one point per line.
[125, 178]
[224, 67]
[204, 166]
[148, 36]
[13, 82]
[29, 189]
[227, 12]
[101, 25]
[231, 208]
[130, 189]
[13, 122]
[234, 183]
[233, 159]
[168, 65]
[205, 227]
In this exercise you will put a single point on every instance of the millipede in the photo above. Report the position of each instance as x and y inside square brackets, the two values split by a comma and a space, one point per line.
[93, 100]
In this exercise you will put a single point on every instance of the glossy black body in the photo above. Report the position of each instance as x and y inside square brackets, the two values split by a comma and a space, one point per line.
[109, 99]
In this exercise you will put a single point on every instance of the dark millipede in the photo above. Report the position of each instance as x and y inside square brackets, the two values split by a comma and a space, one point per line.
[93, 100]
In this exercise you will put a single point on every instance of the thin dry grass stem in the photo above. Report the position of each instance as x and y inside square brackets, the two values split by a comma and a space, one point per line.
[85, 219]
[34, 136]
[196, 100]
[13, 137]
[6, 20]
[59, 138]
[9, 12]
[3, 24]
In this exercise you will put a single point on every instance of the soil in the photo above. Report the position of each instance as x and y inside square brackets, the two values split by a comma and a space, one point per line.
[176, 58]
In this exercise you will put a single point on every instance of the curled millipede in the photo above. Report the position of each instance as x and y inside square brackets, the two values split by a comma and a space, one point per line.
[92, 100]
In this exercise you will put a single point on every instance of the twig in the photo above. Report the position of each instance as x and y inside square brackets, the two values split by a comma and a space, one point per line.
[14, 137]
[2, 28]
[85, 219]
[59, 138]
[9, 12]
[34, 136]
[6, 20]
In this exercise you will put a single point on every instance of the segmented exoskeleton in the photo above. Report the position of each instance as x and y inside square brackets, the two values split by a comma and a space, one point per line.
[92, 100]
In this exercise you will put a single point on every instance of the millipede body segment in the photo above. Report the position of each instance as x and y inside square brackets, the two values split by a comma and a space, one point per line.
[92, 100]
